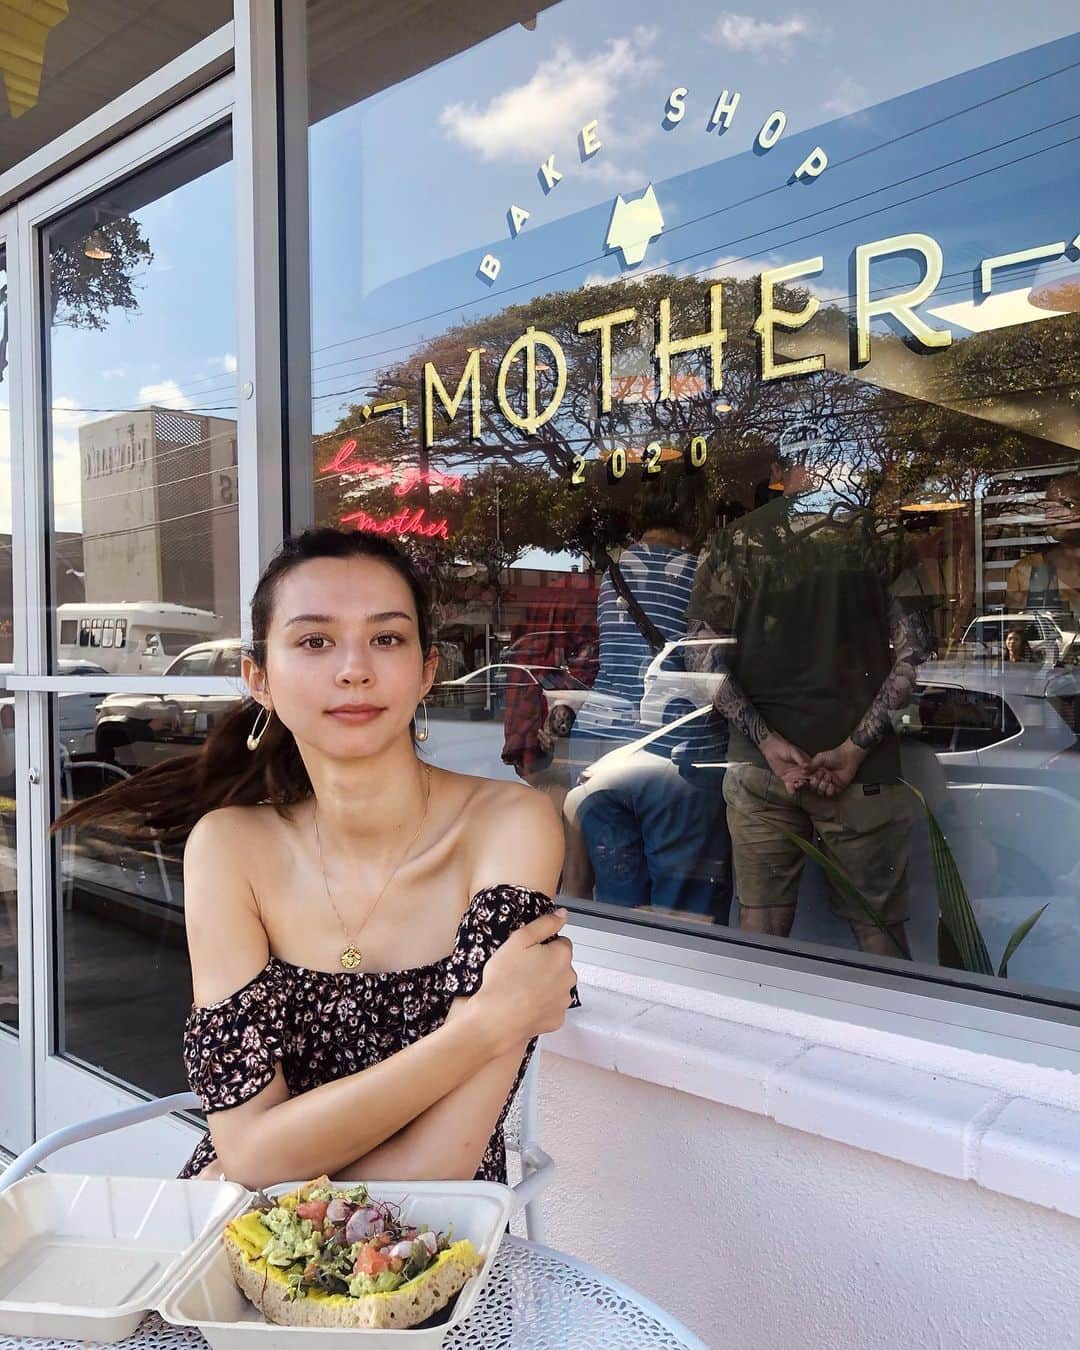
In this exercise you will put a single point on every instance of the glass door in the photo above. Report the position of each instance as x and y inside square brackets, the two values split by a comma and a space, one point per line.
[16, 1049]
[133, 595]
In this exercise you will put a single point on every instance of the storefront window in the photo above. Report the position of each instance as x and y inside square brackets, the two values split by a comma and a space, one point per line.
[61, 61]
[722, 372]
[140, 298]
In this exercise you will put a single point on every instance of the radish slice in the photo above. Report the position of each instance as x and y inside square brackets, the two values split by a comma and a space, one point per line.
[338, 1210]
[362, 1225]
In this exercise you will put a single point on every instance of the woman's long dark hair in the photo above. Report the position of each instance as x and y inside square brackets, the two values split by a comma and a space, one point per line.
[165, 801]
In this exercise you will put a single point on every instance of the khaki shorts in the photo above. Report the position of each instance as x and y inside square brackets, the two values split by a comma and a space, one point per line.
[866, 830]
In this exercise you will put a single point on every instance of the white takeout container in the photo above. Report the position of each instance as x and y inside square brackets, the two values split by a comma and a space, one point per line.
[86, 1257]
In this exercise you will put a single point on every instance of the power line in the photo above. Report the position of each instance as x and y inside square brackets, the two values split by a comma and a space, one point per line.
[870, 150]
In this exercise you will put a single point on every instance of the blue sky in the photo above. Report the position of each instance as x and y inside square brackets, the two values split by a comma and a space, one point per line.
[411, 187]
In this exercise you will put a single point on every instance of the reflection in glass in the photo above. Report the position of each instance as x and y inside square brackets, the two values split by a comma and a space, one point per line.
[123, 973]
[9, 899]
[596, 452]
[145, 553]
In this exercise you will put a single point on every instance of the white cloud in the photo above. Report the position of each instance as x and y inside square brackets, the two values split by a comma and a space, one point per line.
[848, 97]
[115, 373]
[228, 363]
[65, 413]
[546, 113]
[67, 484]
[628, 278]
[622, 177]
[745, 269]
[760, 37]
[167, 393]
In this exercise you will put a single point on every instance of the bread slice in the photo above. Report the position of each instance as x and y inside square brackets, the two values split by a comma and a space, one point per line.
[268, 1287]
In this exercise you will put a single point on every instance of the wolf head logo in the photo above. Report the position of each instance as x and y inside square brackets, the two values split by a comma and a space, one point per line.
[633, 225]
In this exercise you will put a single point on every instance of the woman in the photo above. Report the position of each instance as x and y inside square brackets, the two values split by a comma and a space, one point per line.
[1017, 646]
[373, 949]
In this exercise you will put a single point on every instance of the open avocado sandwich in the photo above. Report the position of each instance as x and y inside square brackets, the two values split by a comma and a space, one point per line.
[330, 1256]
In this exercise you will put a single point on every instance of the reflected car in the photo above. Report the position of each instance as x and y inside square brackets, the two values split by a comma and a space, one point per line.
[565, 647]
[137, 730]
[683, 676]
[77, 718]
[1007, 741]
[1051, 636]
[485, 690]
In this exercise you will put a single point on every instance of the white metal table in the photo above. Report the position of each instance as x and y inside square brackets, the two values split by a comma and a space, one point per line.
[535, 1299]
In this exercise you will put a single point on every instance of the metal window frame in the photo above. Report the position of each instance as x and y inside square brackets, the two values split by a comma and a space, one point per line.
[19, 1128]
[160, 91]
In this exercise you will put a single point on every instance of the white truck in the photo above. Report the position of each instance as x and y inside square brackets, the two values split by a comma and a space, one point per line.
[131, 637]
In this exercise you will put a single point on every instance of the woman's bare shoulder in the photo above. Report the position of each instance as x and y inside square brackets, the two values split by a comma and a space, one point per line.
[227, 831]
[513, 834]
[227, 939]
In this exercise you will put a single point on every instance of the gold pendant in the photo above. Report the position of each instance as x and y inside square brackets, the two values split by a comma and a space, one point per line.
[351, 957]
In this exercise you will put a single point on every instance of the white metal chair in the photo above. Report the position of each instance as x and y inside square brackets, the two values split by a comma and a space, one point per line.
[537, 1169]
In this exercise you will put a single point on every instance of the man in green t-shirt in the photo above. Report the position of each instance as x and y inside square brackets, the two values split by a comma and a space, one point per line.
[825, 650]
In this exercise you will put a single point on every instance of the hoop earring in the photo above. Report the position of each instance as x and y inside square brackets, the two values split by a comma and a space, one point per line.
[255, 737]
[422, 736]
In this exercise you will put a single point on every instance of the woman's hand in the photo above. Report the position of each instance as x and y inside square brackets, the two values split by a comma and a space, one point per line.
[527, 984]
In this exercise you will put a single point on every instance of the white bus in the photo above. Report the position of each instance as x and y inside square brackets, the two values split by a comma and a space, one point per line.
[131, 637]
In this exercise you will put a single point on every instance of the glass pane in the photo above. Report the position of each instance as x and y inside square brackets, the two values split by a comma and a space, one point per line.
[9, 899]
[761, 428]
[60, 63]
[142, 378]
[120, 906]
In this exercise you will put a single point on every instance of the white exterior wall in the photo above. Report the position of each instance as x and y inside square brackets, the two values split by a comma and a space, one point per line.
[762, 1237]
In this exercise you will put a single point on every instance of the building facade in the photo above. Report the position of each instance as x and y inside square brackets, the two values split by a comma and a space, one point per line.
[720, 370]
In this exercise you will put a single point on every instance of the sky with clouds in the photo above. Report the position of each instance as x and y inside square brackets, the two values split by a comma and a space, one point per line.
[411, 187]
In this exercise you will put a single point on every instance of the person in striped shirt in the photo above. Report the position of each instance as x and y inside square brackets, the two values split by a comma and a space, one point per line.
[648, 800]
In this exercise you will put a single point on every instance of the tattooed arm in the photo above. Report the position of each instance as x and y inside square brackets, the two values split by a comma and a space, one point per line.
[911, 644]
[787, 761]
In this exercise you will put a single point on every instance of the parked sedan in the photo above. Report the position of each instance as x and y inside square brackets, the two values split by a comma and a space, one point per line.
[485, 691]
[137, 730]
[77, 717]
[1051, 637]
[683, 675]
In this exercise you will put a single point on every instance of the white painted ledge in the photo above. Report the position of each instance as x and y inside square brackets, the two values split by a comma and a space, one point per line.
[1009, 1127]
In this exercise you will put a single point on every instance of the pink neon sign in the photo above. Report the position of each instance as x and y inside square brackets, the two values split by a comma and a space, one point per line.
[343, 463]
[405, 521]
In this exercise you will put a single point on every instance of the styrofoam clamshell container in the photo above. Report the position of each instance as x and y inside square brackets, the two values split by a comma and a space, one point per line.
[86, 1257]
[206, 1297]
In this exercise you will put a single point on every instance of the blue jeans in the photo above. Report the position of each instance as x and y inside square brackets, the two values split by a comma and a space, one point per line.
[656, 835]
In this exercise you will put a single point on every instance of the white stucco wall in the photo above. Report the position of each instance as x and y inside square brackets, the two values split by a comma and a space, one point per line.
[762, 1237]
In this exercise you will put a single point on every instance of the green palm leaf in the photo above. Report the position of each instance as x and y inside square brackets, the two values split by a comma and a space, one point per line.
[957, 915]
[1018, 937]
[846, 887]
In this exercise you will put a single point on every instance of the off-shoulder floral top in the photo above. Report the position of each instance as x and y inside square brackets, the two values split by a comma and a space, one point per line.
[323, 1025]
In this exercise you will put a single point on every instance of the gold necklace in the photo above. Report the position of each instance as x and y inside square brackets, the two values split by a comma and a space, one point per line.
[351, 955]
